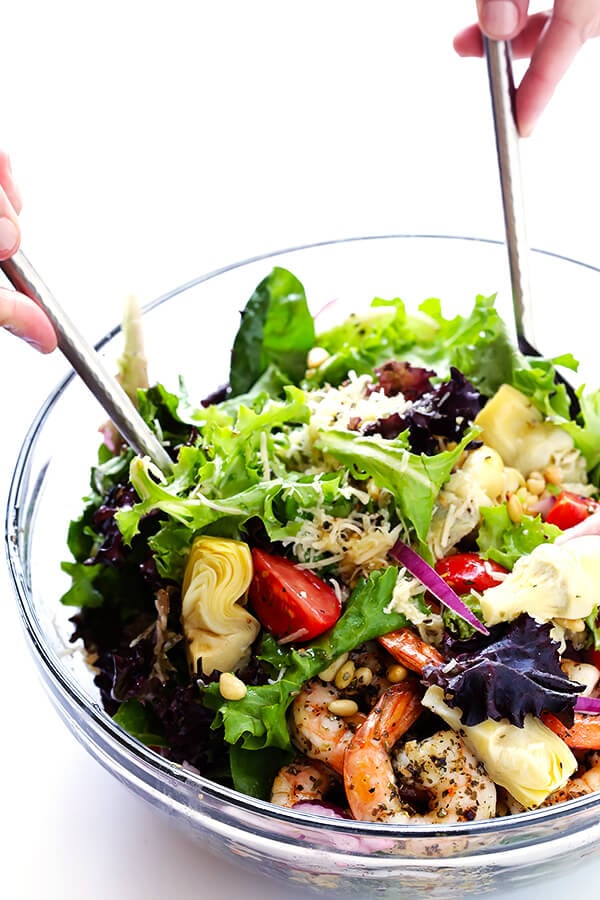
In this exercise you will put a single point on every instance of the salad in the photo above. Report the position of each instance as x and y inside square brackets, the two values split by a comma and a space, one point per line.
[369, 587]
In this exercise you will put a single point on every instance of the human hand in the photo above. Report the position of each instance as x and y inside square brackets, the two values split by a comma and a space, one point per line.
[550, 39]
[18, 314]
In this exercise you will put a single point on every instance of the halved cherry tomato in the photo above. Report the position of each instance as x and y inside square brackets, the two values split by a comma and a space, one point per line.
[592, 656]
[570, 509]
[467, 572]
[292, 603]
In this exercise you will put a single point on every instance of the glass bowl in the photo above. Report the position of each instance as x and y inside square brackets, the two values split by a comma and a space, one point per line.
[189, 332]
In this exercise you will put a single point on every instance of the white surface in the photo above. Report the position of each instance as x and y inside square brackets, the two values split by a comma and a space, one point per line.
[154, 142]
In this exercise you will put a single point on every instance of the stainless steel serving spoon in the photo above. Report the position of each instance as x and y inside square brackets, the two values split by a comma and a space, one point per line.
[502, 92]
[87, 363]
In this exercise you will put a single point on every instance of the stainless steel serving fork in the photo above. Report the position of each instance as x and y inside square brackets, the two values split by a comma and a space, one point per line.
[87, 363]
[502, 92]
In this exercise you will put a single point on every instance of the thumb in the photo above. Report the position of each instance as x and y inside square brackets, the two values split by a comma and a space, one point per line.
[501, 20]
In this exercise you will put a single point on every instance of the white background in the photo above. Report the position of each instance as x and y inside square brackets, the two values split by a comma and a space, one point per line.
[157, 141]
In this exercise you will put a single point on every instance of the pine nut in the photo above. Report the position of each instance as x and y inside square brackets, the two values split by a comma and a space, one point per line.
[576, 626]
[514, 509]
[344, 675]
[330, 672]
[373, 490]
[343, 708]
[363, 676]
[536, 483]
[231, 687]
[396, 673]
[553, 475]
[316, 357]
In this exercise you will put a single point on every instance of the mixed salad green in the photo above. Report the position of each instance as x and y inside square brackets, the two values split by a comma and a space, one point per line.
[397, 489]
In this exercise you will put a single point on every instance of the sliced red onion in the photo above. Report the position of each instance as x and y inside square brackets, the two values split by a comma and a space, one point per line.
[417, 566]
[298, 635]
[588, 705]
[352, 843]
[541, 506]
[322, 808]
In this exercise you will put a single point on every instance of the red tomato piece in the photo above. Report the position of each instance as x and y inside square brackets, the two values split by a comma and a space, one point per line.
[593, 657]
[570, 509]
[466, 572]
[292, 603]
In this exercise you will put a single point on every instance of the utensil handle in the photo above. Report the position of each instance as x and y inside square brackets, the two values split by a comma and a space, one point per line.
[87, 363]
[502, 89]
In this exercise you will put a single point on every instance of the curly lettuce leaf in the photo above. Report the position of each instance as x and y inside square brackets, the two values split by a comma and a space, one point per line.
[197, 511]
[259, 719]
[585, 431]
[478, 345]
[414, 480]
[83, 591]
[593, 623]
[232, 474]
[277, 329]
[538, 382]
[504, 541]
[361, 342]
[518, 673]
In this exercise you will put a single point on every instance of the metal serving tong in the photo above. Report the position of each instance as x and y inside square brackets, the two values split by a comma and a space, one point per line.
[87, 363]
[502, 90]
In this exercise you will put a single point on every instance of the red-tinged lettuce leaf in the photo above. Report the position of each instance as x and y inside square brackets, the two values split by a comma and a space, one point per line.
[394, 377]
[515, 674]
[445, 411]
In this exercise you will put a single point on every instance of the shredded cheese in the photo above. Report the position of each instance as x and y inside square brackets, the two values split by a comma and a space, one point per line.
[348, 407]
[353, 545]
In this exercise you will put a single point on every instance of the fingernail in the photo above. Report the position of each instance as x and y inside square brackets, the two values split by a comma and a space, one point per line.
[9, 235]
[24, 337]
[499, 18]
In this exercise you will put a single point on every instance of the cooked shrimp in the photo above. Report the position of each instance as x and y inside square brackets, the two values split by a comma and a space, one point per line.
[317, 732]
[457, 785]
[583, 734]
[299, 782]
[368, 774]
[409, 649]
[454, 781]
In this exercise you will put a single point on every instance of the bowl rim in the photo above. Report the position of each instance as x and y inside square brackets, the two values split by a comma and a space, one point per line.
[139, 752]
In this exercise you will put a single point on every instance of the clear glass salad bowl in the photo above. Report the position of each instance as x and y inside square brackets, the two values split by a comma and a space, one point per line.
[189, 332]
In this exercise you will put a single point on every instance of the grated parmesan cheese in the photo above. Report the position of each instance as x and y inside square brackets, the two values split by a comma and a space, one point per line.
[341, 408]
[352, 545]
[405, 589]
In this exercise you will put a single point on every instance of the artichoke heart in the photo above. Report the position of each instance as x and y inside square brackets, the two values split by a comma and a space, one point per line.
[218, 628]
[512, 426]
[530, 762]
[554, 581]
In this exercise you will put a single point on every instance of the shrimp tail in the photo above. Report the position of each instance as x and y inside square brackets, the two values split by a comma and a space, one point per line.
[368, 775]
[410, 650]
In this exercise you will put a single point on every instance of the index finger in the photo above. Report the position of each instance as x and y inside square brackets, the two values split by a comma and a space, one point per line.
[7, 182]
[557, 47]
[10, 234]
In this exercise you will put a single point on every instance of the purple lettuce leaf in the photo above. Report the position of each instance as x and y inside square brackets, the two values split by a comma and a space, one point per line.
[516, 674]
[444, 412]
